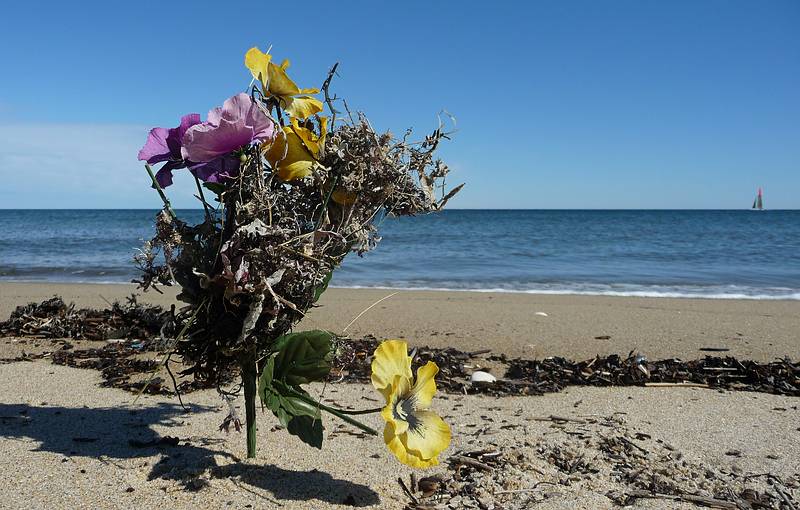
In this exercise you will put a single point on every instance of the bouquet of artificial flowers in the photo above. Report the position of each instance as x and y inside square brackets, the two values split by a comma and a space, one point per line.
[288, 192]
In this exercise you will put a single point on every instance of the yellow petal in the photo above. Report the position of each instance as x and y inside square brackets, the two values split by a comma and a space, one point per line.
[391, 359]
[429, 437]
[425, 387]
[395, 444]
[257, 62]
[302, 144]
[310, 142]
[309, 91]
[295, 170]
[323, 129]
[277, 150]
[291, 153]
[279, 83]
[301, 107]
[400, 386]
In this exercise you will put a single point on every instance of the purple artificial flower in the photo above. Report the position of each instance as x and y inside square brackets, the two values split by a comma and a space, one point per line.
[165, 145]
[209, 145]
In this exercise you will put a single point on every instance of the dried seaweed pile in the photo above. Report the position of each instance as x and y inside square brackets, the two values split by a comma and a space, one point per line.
[129, 337]
[594, 461]
[781, 377]
[551, 375]
[53, 318]
[354, 357]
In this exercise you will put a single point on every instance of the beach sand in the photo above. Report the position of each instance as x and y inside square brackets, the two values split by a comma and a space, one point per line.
[65, 440]
[65, 444]
[575, 326]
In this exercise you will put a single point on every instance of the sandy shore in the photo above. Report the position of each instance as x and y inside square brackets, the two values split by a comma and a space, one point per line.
[65, 445]
[577, 327]
[66, 441]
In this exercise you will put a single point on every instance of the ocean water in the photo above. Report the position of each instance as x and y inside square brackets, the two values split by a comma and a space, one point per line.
[720, 254]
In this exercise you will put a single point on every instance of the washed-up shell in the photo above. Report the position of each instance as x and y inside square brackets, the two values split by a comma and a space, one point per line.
[541, 314]
[480, 376]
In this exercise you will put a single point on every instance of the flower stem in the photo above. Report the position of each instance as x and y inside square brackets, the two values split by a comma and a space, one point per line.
[157, 186]
[340, 413]
[327, 199]
[249, 383]
[202, 198]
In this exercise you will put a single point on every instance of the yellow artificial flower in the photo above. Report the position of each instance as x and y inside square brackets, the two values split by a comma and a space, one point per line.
[294, 154]
[415, 435]
[258, 63]
[275, 82]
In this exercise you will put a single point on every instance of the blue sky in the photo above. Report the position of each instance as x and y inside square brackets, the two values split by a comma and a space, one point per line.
[623, 104]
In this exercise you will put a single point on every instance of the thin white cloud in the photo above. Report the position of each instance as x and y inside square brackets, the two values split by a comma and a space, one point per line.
[78, 166]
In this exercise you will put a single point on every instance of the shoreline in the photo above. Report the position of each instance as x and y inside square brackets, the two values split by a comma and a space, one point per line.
[575, 326]
[646, 291]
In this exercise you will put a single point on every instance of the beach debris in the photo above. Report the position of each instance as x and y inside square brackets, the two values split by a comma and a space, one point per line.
[482, 377]
[594, 457]
[553, 374]
[121, 365]
[53, 318]
[541, 314]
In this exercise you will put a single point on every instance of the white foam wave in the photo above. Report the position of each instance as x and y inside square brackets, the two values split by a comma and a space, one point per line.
[645, 292]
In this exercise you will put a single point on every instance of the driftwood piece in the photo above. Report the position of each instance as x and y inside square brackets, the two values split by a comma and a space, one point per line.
[699, 500]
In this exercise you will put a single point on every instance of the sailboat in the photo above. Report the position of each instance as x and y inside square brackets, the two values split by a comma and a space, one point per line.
[758, 203]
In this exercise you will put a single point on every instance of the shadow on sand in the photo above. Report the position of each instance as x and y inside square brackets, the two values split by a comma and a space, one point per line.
[122, 433]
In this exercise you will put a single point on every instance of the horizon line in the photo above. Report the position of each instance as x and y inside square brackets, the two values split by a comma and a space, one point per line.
[447, 209]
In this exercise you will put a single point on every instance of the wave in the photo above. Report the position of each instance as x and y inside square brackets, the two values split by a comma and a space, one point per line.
[116, 274]
[614, 290]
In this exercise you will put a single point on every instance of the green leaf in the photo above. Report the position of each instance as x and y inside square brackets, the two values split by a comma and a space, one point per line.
[308, 429]
[265, 381]
[303, 357]
[299, 415]
[299, 358]
[322, 287]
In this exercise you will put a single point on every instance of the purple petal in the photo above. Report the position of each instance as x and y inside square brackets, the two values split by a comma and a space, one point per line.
[164, 176]
[188, 121]
[237, 107]
[238, 123]
[216, 170]
[175, 136]
[214, 116]
[205, 142]
[155, 148]
[242, 107]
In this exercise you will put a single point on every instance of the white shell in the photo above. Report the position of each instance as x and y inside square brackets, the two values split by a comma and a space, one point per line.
[541, 314]
[479, 376]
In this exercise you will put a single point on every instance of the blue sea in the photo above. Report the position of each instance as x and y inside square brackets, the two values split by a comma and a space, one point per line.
[717, 254]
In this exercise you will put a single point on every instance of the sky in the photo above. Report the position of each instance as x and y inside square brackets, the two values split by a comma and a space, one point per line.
[559, 104]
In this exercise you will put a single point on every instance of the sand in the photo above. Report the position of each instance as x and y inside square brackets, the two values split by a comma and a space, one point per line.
[575, 326]
[65, 441]
[65, 444]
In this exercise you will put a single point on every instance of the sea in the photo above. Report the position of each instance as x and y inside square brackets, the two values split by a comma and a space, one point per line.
[659, 253]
